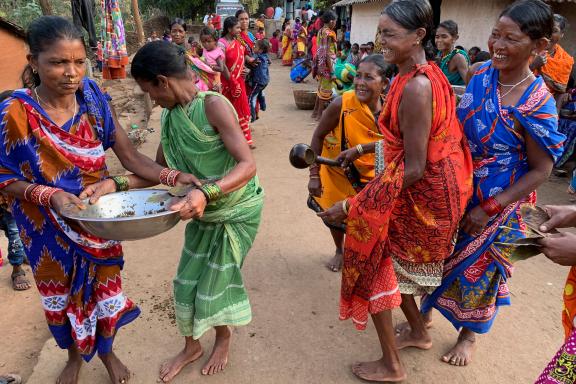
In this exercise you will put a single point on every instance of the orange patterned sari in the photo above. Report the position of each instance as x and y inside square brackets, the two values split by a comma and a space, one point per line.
[413, 227]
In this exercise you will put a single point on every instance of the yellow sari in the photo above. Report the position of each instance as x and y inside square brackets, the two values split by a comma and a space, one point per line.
[301, 42]
[287, 47]
[360, 128]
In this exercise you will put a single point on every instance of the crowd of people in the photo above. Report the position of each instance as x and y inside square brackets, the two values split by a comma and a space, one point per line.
[427, 204]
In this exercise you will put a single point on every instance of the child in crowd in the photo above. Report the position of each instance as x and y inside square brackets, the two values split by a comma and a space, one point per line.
[260, 77]
[260, 35]
[275, 44]
[213, 56]
[354, 56]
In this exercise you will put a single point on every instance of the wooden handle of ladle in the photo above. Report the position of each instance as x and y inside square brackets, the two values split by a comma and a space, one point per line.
[329, 162]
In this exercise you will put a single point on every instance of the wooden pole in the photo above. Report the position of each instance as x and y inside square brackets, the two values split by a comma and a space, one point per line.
[138, 22]
[141, 40]
[46, 8]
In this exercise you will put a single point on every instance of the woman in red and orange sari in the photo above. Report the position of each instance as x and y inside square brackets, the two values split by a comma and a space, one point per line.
[401, 226]
[555, 65]
[234, 88]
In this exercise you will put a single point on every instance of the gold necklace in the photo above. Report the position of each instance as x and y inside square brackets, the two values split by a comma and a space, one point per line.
[50, 106]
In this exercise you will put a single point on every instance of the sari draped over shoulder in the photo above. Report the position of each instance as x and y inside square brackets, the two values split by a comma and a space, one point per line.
[208, 287]
[397, 239]
[287, 46]
[359, 126]
[77, 274]
[556, 71]
[326, 53]
[475, 276]
[234, 88]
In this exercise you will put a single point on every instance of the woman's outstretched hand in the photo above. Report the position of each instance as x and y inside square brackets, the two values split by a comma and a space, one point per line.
[561, 216]
[97, 190]
[334, 215]
[63, 200]
[192, 206]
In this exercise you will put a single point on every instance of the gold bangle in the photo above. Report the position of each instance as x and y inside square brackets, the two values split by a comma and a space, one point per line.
[345, 206]
[360, 149]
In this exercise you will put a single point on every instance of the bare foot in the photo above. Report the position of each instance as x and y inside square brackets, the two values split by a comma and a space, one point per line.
[335, 263]
[170, 368]
[461, 354]
[407, 338]
[378, 371]
[426, 317]
[118, 372]
[69, 374]
[219, 358]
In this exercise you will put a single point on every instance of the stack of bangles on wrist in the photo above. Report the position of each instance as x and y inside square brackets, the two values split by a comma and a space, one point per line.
[491, 206]
[168, 176]
[121, 183]
[211, 191]
[40, 194]
[314, 171]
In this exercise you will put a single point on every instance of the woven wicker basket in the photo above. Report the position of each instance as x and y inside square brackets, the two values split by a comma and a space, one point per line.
[305, 99]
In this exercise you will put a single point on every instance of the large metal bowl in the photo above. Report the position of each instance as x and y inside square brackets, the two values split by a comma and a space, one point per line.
[130, 215]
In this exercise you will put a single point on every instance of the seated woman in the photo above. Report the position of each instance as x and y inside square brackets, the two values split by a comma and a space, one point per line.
[54, 134]
[453, 62]
[201, 135]
[347, 130]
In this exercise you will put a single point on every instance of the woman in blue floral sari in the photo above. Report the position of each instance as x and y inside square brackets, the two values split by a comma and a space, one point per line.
[510, 120]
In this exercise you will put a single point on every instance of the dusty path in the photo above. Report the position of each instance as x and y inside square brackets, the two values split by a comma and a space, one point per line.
[295, 336]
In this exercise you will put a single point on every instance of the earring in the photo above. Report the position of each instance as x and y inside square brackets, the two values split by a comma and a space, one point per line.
[417, 42]
[34, 71]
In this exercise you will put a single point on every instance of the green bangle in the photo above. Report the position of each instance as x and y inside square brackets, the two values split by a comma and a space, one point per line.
[121, 183]
[212, 191]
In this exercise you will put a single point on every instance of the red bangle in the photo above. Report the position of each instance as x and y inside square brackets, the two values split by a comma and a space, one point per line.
[168, 176]
[29, 188]
[491, 206]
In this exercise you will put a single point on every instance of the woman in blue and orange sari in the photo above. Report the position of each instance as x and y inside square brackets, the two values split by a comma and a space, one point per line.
[54, 134]
[510, 120]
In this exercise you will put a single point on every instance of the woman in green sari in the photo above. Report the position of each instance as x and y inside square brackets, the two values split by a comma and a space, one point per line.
[201, 136]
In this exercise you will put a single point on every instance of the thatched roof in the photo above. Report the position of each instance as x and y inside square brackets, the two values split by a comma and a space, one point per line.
[15, 29]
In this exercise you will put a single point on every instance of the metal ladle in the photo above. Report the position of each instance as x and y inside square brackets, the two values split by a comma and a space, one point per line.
[302, 156]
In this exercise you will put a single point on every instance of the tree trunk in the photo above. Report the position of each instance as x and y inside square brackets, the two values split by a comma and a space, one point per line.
[46, 8]
[138, 22]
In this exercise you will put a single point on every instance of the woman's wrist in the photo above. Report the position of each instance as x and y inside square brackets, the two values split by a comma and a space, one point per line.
[491, 206]
[40, 194]
[168, 176]
[121, 183]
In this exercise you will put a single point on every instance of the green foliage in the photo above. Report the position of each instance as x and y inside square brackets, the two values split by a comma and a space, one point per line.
[187, 9]
[20, 12]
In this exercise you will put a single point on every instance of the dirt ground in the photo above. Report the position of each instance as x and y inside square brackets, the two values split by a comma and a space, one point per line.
[295, 336]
